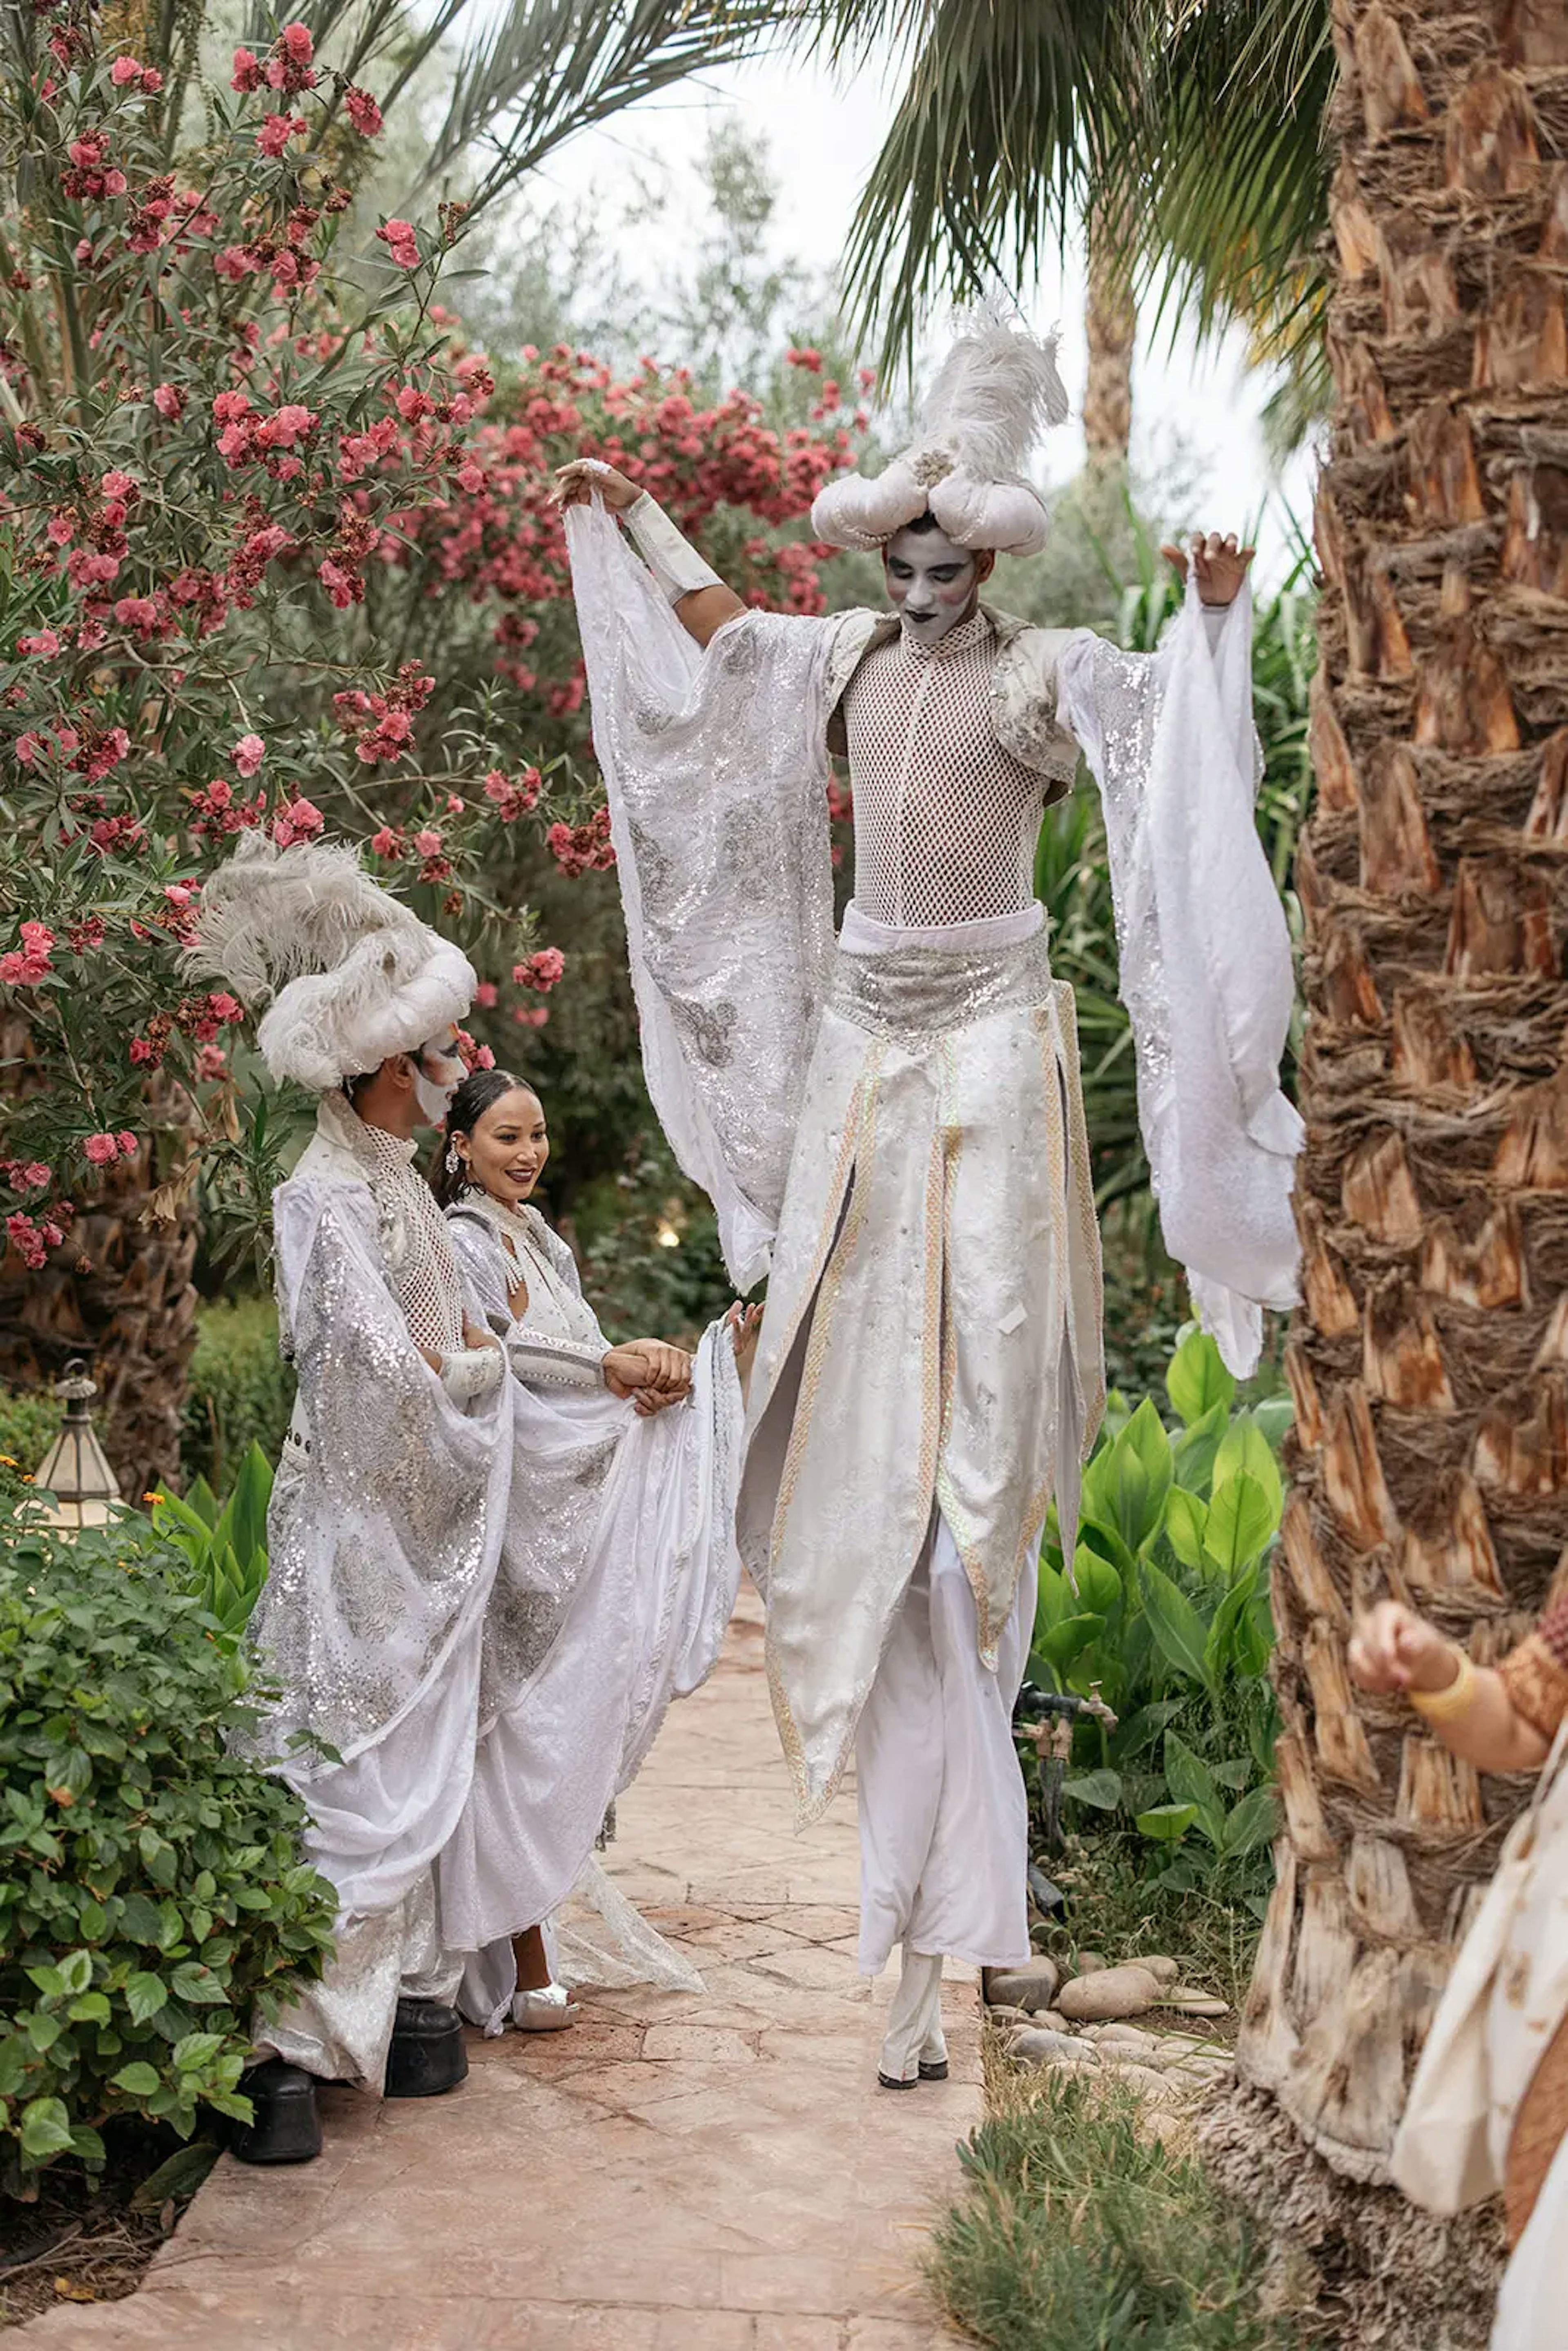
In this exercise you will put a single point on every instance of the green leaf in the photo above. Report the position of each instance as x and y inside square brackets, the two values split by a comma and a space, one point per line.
[1186, 1517]
[75, 1971]
[1099, 1585]
[193, 1982]
[1244, 1450]
[1100, 1788]
[1193, 1452]
[89, 2008]
[1275, 1417]
[138, 2081]
[1243, 1520]
[1179, 1630]
[1069, 1640]
[1196, 1379]
[145, 1995]
[44, 2029]
[1191, 1782]
[1165, 1823]
[46, 2128]
[1250, 1824]
[1225, 1632]
[182, 2173]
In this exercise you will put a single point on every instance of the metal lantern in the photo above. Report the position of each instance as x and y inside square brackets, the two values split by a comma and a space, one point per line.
[75, 1470]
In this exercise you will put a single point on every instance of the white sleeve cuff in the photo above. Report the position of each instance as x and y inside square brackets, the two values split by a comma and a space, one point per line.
[677, 568]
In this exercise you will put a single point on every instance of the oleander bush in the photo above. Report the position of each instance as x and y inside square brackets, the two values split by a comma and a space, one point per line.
[29, 1423]
[151, 1892]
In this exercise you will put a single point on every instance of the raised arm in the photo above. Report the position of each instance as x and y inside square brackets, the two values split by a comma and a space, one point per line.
[697, 595]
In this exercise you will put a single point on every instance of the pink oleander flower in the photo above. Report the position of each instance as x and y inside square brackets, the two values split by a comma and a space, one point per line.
[541, 970]
[26, 1239]
[471, 477]
[298, 821]
[295, 42]
[102, 1149]
[124, 69]
[485, 994]
[248, 754]
[363, 112]
[129, 1146]
[454, 803]
[428, 842]
[276, 131]
[169, 402]
[531, 1016]
[212, 1062]
[386, 844]
[246, 70]
[117, 485]
[398, 238]
[43, 643]
[34, 1176]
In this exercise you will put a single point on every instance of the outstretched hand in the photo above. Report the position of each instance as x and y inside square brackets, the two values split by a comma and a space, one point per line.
[574, 484]
[1221, 565]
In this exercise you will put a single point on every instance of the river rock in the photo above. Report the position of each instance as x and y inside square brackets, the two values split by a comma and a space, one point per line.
[1091, 1963]
[1163, 1970]
[1052, 2019]
[1031, 1987]
[1121, 2041]
[1148, 2083]
[1033, 2046]
[1189, 2002]
[1109, 1993]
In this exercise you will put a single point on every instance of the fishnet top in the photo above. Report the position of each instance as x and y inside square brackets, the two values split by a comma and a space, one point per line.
[424, 1271]
[945, 820]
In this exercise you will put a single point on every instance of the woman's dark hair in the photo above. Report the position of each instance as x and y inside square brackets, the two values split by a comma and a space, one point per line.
[480, 1091]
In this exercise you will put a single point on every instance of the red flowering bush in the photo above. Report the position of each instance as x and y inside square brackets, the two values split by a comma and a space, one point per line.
[280, 555]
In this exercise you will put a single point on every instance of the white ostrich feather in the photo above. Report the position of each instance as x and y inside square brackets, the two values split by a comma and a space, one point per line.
[271, 912]
[994, 395]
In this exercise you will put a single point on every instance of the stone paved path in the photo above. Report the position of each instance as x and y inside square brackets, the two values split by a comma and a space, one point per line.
[677, 2173]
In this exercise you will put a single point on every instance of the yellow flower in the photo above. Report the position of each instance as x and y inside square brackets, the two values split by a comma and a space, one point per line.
[7, 1463]
[152, 1498]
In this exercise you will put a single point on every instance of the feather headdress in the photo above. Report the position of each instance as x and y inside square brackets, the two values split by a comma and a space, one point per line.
[352, 973]
[993, 396]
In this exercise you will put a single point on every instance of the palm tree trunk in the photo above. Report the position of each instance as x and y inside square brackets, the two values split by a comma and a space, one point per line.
[1429, 1361]
[1111, 325]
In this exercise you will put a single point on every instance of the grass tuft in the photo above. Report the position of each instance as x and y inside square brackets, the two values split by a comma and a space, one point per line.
[1082, 2231]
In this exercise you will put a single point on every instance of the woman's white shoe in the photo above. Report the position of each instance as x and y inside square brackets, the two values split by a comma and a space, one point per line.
[549, 2008]
[914, 2040]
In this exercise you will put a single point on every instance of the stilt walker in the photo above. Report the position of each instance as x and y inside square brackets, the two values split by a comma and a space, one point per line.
[891, 1127]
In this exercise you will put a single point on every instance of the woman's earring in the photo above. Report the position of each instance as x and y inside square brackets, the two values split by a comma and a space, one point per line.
[454, 1159]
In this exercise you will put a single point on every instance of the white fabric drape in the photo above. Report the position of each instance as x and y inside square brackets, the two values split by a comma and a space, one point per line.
[1205, 970]
[716, 772]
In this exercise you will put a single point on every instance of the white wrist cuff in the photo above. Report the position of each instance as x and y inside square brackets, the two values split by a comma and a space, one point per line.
[472, 1373]
[678, 568]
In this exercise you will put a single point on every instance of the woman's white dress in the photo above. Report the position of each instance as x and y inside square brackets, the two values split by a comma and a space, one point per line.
[616, 1583]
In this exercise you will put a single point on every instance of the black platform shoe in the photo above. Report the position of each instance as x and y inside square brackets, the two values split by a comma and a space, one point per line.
[286, 2127]
[426, 2055]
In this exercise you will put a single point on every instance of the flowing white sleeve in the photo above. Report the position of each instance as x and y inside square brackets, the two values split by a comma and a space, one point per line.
[1206, 965]
[715, 766]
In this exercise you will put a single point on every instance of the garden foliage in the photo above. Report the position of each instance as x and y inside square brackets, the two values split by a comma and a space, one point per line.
[151, 1886]
[224, 1545]
[1169, 1622]
[242, 1391]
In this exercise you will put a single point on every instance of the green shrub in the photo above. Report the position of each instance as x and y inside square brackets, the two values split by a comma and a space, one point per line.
[29, 1423]
[241, 1393]
[151, 1892]
[1170, 1621]
[1079, 2230]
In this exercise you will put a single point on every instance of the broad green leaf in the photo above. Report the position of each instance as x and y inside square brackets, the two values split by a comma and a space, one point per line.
[1099, 1585]
[1251, 1823]
[1275, 1416]
[201, 1499]
[145, 1994]
[1245, 1448]
[75, 1971]
[182, 2173]
[1186, 1517]
[1193, 1452]
[1234, 1773]
[1069, 1639]
[138, 2081]
[1224, 1630]
[1196, 1378]
[198, 1984]
[1054, 1603]
[1165, 1823]
[1243, 1520]
[1144, 1441]
[1189, 1778]
[46, 2128]
[1102, 1788]
[1141, 1728]
[1179, 1631]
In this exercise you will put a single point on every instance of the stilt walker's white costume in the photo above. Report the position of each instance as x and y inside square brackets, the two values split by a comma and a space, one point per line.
[894, 1131]
[613, 1594]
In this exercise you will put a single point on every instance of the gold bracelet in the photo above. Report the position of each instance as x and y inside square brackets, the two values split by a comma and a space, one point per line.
[1447, 1705]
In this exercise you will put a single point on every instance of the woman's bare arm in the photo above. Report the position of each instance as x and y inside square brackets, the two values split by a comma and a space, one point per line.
[1394, 1650]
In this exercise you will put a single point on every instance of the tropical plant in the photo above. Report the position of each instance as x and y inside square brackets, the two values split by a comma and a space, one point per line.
[1166, 1619]
[242, 1390]
[1427, 1360]
[1190, 137]
[151, 1896]
[223, 1544]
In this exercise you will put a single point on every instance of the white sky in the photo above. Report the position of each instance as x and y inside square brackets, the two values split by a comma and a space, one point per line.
[1193, 414]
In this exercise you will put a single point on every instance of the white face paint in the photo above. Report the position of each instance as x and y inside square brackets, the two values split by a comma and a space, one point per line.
[437, 1074]
[931, 583]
